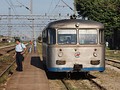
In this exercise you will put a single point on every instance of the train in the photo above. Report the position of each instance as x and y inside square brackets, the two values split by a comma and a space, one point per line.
[73, 45]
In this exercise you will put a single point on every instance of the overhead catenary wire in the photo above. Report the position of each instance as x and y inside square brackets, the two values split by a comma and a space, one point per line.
[67, 5]
[56, 6]
[51, 12]
[10, 6]
[50, 6]
[23, 5]
[13, 8]
[53, 5]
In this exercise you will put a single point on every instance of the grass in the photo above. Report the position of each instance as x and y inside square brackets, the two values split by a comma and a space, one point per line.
[4, 78]
[113, 54]
[5, 61]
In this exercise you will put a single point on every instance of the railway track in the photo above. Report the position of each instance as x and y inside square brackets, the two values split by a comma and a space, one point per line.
[81, 83]
[114, 63]
[65, 84]
[6, 72]
[96, 84]
[6, 49]
[2, 47]
[7, 63]
[7, 69]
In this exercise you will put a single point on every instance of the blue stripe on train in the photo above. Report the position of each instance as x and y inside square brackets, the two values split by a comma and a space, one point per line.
[71, 69]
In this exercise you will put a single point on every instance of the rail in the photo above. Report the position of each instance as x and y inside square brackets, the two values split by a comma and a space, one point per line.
[7, 69]
[76, 82]
[93, 82]
[10, 46]
[112, 60]
[114, 63]
[7, 46]
[96, 84]
[65, 84]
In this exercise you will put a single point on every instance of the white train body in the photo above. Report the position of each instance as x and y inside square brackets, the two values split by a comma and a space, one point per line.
[74, 45]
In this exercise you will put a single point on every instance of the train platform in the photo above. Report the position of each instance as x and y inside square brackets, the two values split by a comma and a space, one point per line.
[33, 76]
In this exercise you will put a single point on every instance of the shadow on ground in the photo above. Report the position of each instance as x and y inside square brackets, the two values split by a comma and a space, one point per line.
[36, 61]
[72, 76]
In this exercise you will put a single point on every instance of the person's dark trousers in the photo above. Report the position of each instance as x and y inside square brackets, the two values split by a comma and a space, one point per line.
[34, 48]
[19, 61]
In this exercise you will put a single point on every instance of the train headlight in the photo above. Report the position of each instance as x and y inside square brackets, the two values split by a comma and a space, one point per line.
[95, 54]
[77, 24]
[60, 54]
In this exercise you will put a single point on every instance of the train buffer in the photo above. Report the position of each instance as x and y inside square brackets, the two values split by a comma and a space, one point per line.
[33, 76]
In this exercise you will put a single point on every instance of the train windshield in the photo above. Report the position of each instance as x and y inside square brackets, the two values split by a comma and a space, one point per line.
[88, 36]
[67, 36]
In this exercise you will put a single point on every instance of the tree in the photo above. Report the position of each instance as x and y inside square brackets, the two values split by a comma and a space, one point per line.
[104, 11]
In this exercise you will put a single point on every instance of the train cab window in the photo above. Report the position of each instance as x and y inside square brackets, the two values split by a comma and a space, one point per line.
[66, 36]
[51, 36]
[88, 36]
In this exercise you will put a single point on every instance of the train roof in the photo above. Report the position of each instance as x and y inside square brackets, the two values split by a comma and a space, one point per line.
[73, 23]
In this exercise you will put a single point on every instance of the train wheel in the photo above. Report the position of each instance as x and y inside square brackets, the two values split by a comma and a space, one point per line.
[101, 71]
[68, 75]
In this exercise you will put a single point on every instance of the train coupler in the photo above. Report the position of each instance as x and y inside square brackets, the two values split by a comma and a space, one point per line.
[77, 67]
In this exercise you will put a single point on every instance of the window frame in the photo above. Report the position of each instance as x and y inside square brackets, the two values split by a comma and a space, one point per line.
[101, 36]
[49, 36]
[45, 36]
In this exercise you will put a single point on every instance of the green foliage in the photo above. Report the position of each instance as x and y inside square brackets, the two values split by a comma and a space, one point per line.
[104, 11]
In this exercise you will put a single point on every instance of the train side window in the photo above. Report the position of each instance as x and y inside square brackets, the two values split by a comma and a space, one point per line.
[51, 36]
[44, 36]
[101, 36]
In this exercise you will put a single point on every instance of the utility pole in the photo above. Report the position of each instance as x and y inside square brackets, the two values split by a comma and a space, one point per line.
[75, 11]
[31, 9]
[9, 23]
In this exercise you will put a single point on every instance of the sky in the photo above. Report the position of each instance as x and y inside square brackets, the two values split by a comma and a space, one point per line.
[40, 7]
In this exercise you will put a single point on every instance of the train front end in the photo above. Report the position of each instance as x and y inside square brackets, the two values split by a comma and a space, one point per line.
[75, 46]
[77, 50]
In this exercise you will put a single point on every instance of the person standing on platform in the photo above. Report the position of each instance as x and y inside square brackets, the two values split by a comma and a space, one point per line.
[35, 45]
[20, 50]
[30, 46]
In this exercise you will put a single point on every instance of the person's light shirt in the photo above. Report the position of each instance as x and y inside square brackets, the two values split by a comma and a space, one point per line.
[35, 44]
[20, 47]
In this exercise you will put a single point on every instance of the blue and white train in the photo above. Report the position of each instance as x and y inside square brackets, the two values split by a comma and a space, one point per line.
[74, 45]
